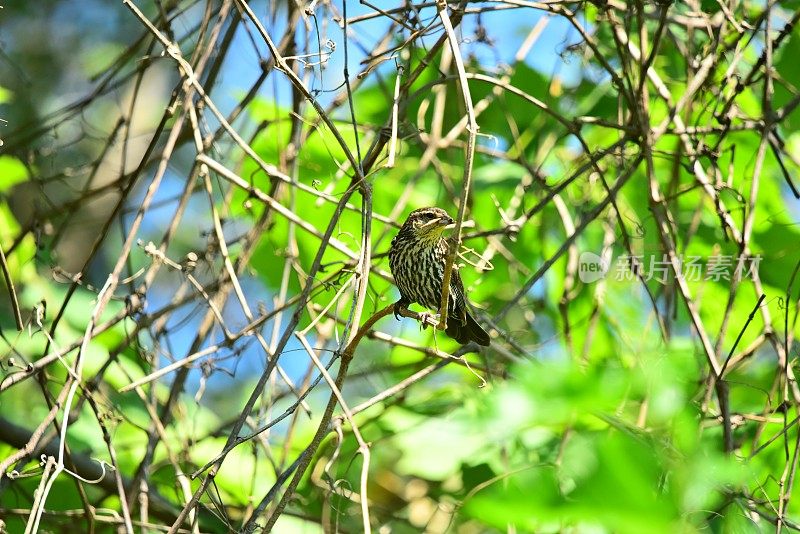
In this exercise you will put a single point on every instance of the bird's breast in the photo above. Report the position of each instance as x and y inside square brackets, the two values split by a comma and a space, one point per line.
[418, 269]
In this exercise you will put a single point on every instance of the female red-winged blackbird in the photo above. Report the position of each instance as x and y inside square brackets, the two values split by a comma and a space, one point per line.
[417, 258]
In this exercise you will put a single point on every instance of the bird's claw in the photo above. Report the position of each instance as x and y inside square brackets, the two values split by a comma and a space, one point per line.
[399, 305]
[428, 319]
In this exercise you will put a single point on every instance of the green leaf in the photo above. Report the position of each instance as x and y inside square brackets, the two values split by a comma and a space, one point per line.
[12, 172]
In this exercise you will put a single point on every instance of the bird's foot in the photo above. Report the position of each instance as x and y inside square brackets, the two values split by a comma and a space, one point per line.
[399, 307]
[426, 319]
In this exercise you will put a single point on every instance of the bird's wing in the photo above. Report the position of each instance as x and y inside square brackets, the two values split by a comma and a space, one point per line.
[460, 299]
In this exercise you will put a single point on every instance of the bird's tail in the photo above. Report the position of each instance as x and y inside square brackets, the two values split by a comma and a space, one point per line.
[468, 331]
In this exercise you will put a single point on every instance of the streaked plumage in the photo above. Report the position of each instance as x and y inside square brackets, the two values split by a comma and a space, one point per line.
[417, 259]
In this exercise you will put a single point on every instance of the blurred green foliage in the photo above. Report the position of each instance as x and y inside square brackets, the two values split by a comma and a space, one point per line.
[604, 427]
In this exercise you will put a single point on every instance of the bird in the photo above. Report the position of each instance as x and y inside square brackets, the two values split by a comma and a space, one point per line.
[417, 258]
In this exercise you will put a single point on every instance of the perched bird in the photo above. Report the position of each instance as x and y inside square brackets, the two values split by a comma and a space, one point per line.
[417, 258]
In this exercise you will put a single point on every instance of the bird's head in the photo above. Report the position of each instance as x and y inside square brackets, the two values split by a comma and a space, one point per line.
[427, 223]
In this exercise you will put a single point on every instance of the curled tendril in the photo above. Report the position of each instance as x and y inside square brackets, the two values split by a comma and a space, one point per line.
[103, 466]
[471, 251]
